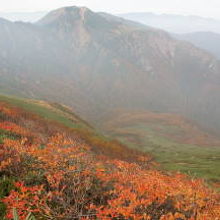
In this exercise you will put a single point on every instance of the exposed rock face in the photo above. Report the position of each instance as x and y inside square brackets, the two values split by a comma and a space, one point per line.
[96, 62]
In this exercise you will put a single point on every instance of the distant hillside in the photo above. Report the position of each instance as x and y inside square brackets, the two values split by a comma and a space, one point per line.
[175, 23]
[96, 63]
[208, 41]
[175, 142]
[52, 171]
[23, 16]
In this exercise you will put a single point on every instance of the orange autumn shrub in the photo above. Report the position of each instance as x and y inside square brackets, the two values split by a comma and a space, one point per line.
[25, 200]
[126, 190]
[11, 127]
[60, 153]
[13, 156]
[63, 176]
[139, 193]
[66, 172]
[9, 111]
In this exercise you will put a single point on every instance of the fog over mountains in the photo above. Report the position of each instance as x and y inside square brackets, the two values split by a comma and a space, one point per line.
[175, 23]
[96, 63]
[169, 22]
[209, 41]
[23, 16]
[202, 32]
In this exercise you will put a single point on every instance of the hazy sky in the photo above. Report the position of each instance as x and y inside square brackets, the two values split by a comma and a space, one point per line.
[208, 8]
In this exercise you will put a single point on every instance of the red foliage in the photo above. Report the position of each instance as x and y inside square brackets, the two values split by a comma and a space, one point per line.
[71, 181]
[9, 126]
[25, 200]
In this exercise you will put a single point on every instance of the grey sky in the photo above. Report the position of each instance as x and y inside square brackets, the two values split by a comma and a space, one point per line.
[207, 8]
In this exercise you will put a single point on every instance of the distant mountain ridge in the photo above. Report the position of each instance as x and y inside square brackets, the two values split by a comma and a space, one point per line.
[96, 63]
[175, 23]
[201, 32]
[209, 41]
[23, 16]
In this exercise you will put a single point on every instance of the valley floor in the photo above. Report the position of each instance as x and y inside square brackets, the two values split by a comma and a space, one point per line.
[175, 143]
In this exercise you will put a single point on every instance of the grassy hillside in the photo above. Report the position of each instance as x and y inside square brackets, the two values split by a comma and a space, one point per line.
[63, 117]
[176, 143]
[50, 111]
[52, 171]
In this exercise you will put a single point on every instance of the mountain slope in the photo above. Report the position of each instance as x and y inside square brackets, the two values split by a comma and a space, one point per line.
[48, 110]
[56, 118]
[48, 171]
[208, 41]
[96, 63]
[173, 141]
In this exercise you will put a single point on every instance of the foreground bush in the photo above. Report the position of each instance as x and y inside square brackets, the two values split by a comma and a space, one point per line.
[60, 176]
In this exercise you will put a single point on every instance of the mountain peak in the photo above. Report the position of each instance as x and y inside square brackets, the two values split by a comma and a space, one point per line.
[79, 20]
[64, 15]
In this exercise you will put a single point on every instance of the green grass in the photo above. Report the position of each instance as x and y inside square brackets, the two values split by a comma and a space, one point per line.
[191, 159]
[57, 113]
[47, 113]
